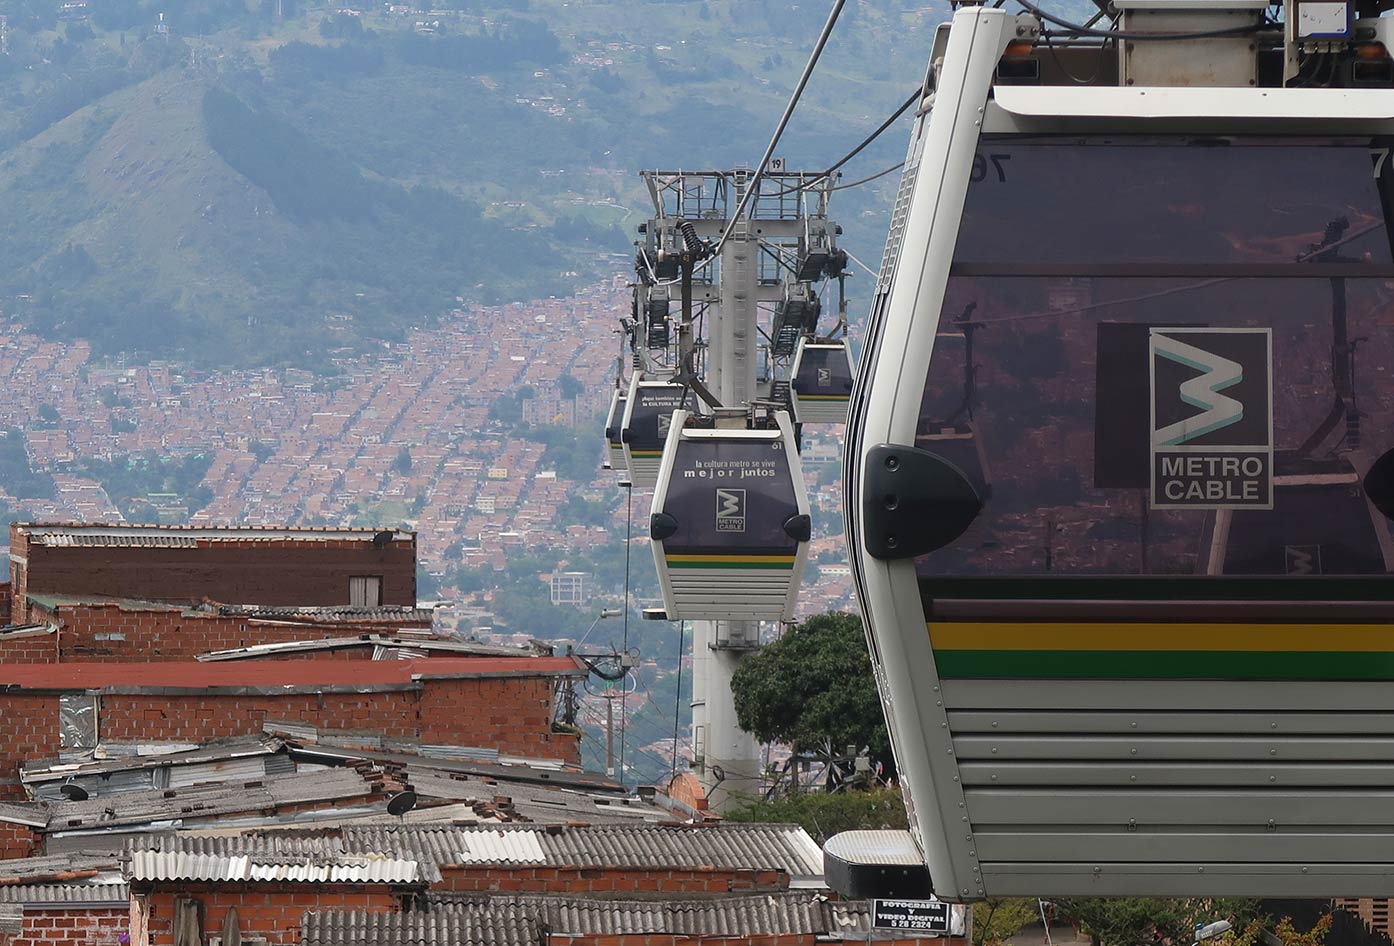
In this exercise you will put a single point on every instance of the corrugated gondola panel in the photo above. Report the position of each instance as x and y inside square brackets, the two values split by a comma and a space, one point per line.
[1093, 778]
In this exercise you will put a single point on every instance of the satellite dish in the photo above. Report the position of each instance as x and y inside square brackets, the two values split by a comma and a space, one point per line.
[401, 803]
[72, 791]
[383, 538]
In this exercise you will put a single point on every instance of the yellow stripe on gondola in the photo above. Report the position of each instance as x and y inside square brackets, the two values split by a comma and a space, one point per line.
[679, 559]
[1128, 636]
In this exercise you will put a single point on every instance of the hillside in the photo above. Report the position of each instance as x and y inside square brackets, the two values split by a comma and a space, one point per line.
[256, 187]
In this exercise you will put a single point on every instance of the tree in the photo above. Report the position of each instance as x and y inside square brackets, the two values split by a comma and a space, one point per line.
[823, 814]
[813, 688]
[998, 919]
[1141, 921]
[48, 413]
[402, 465]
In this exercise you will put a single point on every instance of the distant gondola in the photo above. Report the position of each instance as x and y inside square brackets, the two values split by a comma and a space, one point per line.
[648, 410]
[730, 520]
[614, 446]
[821, 381]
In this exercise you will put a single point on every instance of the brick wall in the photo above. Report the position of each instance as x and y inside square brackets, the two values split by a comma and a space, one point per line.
[251, 571]
[606, 881]
[506, 713]
[76, 927]
[5, 603]
[28, 730]
[16, 840]
[270, 910]
[101, 632]
[499, 711]
[28, 648]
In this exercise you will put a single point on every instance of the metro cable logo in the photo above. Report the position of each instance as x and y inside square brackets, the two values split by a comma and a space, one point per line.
[730, 510]
[1202, 391]
[1212, 418]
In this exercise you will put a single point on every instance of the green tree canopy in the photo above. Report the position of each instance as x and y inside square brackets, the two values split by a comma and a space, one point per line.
[823, 814]
[1139, 921]
[813, 689]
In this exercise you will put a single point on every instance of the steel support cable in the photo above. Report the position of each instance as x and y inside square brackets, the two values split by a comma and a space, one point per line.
[867, 180]
[677, 698]
[783, 123]
[628, 542]
[915, 97]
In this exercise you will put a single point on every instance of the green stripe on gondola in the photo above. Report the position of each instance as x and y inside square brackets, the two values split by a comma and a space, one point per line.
[1165, 665]
[730, 561]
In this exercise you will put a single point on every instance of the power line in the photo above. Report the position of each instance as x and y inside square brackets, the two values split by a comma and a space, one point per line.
[783, 123]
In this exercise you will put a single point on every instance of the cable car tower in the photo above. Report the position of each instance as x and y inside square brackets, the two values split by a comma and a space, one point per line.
[722, 306]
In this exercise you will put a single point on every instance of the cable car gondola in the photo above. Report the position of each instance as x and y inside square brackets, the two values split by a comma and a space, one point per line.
[648, 411]
[1081, 708]
[614, 446]
[730, 522]
[821, 381]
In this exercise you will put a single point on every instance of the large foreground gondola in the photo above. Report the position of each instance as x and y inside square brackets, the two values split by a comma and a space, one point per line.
[1156, 657]
[730, 522]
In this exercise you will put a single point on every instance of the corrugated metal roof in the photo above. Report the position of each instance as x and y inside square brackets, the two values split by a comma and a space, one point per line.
[109, 534]
[332, 614]
[637, 846]
[12, 632]
[453, 919]
[148, 865]
[359, 674]
[30, 815]
[369, 640]
[439, 928]
[112, 778]
[176, 805]
[67, 895]
[92, 866]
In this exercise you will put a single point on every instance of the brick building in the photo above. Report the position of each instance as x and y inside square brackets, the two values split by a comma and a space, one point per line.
[75, 629]
[585, 885]
[505, 703]
[303, 567]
